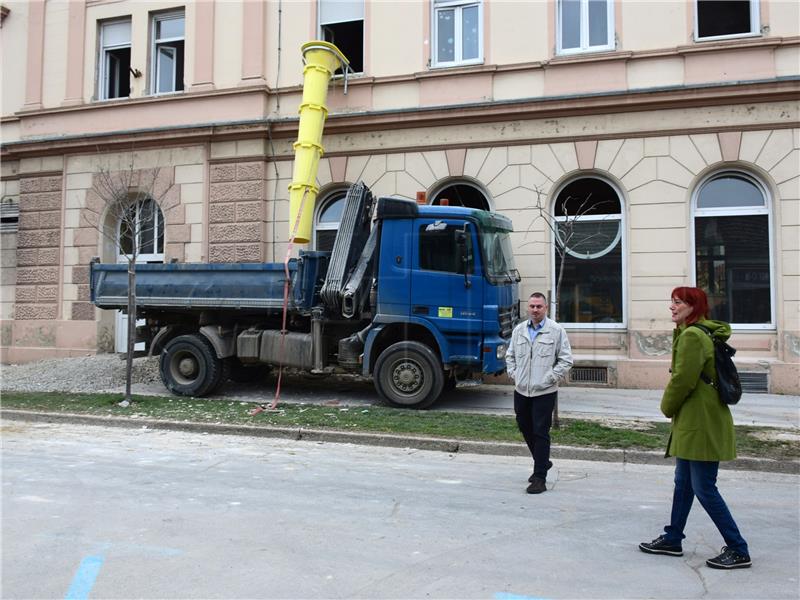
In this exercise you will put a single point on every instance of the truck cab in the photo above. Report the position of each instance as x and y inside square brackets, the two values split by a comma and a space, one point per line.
[446, 284]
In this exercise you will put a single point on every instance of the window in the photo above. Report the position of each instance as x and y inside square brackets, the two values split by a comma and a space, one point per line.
[726, 18]
[439, 248]
[588, 253]
[341, 22]
[461, 193]
[142, 228]
[458, 37]
[115, 60]
[167, 53]
[9, 215]
[328, 218]
[585, 26]
[732, 248]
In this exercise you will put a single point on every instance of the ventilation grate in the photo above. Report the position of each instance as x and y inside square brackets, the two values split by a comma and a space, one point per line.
[589, 375]
[754, 383]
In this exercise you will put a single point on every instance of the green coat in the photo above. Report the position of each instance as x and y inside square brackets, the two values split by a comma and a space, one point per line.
[702, 426]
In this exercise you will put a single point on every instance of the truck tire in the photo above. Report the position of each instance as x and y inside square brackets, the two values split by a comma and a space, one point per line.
[408, 375]
[190, 367]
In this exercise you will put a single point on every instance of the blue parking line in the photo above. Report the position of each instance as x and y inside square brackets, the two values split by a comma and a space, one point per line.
[507, 596]
[84, 579]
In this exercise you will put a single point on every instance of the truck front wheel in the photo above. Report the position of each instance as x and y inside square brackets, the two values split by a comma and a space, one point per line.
[408, 375]
[190, 367]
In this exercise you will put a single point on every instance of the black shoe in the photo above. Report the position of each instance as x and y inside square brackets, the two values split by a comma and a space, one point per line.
[537, 486]
[661, 546]
[533, 475]
[729, 559]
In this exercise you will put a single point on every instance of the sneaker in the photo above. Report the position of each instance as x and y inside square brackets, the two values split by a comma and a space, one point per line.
[729, 559]
[533, 475]
[660, 545]
[537, 486]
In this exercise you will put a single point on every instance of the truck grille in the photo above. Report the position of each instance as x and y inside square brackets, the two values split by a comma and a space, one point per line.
[508, 317]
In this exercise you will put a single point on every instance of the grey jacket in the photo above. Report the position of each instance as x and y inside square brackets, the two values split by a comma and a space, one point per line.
[537, 368]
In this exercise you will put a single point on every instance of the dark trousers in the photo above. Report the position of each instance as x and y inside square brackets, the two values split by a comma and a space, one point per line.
[534, 418]
[698, 479]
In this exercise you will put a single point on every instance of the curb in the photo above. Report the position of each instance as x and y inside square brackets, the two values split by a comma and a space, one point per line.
[391, 440]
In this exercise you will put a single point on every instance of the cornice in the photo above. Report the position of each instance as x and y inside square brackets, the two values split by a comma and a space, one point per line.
[285, 128]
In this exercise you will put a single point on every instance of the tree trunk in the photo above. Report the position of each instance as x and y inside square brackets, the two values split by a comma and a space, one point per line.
[559, 279]
[131, 329]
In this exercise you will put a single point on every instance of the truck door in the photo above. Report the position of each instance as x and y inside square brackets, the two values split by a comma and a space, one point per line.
[447, 284]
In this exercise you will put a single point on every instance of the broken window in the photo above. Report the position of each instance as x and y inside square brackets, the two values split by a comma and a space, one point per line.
[458, 37]
[726, 18]
[167, 52]
[341, 22]
[585, 26]
[115, 60]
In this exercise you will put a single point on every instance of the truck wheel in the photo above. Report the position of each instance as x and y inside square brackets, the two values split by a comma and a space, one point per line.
[190, 367]
[408, 375]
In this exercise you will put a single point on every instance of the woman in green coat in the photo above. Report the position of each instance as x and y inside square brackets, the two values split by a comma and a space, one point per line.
[702, 431]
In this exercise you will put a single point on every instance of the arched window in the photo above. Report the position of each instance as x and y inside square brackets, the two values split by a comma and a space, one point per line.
[588, 253]
[462, 193]
[141, 231]
[328, 218]
[732, 248]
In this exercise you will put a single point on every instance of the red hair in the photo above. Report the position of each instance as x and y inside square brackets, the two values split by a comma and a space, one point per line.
[694, 297]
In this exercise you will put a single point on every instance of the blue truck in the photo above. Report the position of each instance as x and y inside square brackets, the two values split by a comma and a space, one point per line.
[415, 297]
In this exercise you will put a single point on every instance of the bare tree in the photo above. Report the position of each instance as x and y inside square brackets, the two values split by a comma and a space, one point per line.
[569, 236]
[125, 212]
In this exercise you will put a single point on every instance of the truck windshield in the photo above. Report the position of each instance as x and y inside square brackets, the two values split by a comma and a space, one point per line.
[499, 258]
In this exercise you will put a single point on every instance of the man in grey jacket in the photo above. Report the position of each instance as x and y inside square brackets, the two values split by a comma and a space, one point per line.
[538, 357]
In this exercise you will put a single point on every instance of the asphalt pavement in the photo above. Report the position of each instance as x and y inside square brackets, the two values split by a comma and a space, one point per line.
[100, 512]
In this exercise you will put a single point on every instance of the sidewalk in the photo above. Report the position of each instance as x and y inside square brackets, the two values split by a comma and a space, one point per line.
[764, 410]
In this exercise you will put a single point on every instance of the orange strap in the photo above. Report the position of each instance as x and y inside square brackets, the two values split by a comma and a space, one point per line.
[286, 286]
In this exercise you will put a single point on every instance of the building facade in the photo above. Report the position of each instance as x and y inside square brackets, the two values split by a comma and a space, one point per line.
[636, 146]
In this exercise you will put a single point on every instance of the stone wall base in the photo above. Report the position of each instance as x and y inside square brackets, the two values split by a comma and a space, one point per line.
[28, 341]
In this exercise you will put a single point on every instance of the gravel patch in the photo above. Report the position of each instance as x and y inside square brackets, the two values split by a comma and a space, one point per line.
[100, 373]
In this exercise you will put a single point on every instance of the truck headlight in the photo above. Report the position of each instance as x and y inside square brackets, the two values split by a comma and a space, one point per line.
[501, 351]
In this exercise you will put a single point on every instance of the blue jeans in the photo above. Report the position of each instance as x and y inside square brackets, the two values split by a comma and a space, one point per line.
[697, 478]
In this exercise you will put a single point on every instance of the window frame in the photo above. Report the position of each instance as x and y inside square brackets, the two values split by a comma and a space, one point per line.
[458, 6]
[331, 197]
[158, 217]
[739, 211]
[450, 226]
[611, 39]
[103, 56]
[623, 240]
[321, 33]
[155, 44]
[755, 25]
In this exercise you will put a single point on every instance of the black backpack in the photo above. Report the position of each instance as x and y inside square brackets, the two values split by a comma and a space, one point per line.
[728, 385]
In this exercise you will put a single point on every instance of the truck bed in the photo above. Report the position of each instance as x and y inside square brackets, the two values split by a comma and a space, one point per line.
[190, 286]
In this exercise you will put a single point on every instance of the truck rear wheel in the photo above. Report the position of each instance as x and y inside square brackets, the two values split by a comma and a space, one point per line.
[408, 375]
[190, 367]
